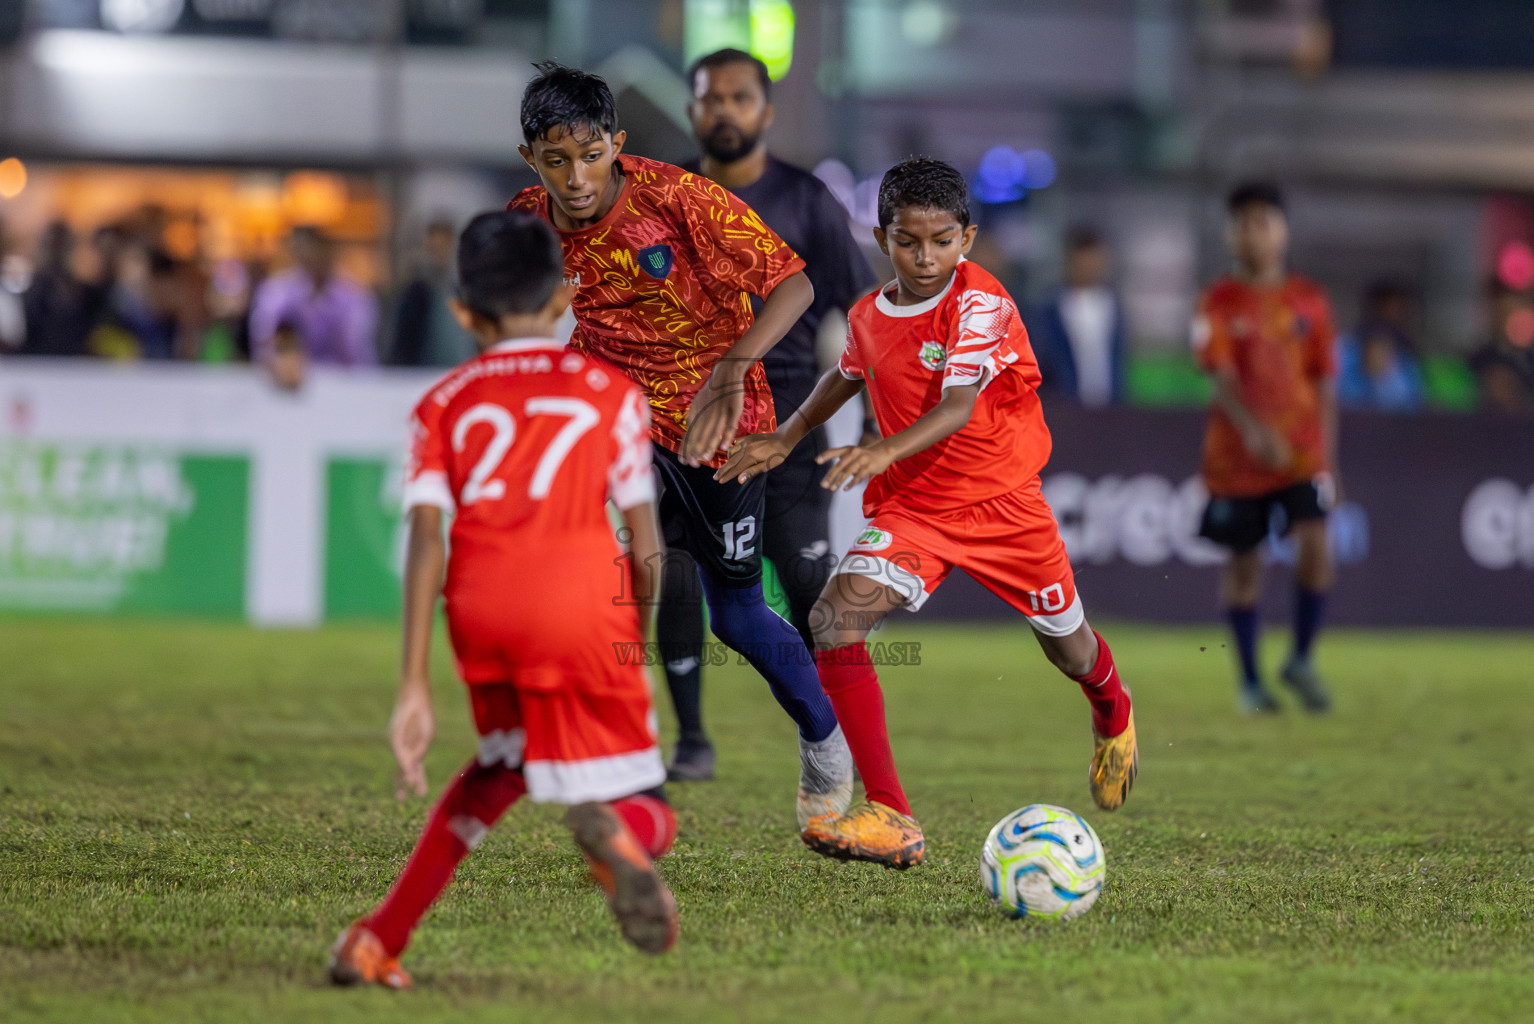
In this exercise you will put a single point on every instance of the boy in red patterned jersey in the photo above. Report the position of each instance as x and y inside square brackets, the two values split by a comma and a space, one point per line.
[953, 483]
[1266, 337]
[666, 263]
[523, 446]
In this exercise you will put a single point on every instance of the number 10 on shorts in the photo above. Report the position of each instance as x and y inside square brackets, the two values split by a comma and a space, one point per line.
[740, 539]
[1050, 599]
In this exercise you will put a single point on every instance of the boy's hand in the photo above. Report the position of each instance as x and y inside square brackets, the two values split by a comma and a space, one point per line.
[713, 414]
[854, 465]
[752, 456]
[1267, 446]
[411, 729]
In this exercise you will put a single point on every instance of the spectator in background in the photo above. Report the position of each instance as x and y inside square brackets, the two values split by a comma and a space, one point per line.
[1078, 332]
[1504, 365]
[425, 333]
[287, 360]
[337, 318]
[57, 303]
[13, 282]
[1377, 363]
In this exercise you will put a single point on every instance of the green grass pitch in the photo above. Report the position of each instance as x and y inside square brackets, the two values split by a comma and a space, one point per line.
[189, 813]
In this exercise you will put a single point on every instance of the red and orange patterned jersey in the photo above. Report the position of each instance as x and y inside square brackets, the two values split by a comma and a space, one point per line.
[970, 333]
[665, 285]
[1279, 343]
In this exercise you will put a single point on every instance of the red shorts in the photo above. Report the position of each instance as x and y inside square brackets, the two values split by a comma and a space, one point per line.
[556, 682]
[1010, 543]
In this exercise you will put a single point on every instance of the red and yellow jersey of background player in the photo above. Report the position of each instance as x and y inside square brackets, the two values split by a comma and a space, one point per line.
[665, 285]
[524, 445]
[1279, 342]
[969, 333]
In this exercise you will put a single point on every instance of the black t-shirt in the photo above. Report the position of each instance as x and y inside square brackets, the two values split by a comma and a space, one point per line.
[804, 213]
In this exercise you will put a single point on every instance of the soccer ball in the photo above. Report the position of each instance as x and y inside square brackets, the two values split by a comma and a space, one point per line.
[1043, 861]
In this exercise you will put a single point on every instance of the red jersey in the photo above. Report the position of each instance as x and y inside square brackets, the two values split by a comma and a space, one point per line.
[525, 444]
[665, 285]
[1279, 343]
[970, 333]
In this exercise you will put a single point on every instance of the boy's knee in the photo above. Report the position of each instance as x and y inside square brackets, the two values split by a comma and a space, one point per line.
[824, 626]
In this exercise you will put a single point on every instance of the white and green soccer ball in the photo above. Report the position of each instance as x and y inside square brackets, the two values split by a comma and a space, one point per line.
[1043, 861]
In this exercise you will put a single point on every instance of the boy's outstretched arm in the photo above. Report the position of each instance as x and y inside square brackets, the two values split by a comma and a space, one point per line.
[855, 464]
[754, 455]
[414, 724]
[716, 409]
[647, 552]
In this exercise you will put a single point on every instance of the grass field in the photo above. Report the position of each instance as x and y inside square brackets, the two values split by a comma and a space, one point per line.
[189, 813]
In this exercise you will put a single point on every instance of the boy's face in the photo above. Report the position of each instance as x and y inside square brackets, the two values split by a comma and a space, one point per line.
[924, 245]
[729, 111]
[577, 169]
[1258, 236]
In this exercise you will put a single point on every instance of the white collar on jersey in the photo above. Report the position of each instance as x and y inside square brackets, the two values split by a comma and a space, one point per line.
[883, 304]
[526, 345]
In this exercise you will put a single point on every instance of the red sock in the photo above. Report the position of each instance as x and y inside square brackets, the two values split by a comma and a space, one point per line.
[651, 820]
[1110, 704]
[847, 675]
[474, 801]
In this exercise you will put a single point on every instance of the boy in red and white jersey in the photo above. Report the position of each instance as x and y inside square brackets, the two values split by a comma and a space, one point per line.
[523, 446]
[953, 483]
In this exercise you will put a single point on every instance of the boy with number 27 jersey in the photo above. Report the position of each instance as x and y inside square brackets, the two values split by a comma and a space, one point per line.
[523, 446]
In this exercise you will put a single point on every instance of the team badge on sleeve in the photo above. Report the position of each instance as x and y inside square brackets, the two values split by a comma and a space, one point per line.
[656, 260]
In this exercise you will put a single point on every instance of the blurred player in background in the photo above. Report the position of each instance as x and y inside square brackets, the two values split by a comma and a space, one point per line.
[1266, 337]
[953, 483]
[665, 263]
[731, 111]
[523, 446]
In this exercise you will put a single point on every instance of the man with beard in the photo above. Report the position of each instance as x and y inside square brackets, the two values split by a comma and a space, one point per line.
[731, 111]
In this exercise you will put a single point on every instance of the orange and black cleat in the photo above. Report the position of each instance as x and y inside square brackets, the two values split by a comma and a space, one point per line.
[644, 907]
[869, 832]
[1114, 765]
[359, 958]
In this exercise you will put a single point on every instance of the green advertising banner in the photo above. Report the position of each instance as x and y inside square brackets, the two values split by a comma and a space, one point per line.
[365, 543]
[139, 528]
[363, 538]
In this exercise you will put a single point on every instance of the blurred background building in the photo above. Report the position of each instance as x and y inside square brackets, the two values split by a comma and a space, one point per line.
[196, 180]
[158, 153]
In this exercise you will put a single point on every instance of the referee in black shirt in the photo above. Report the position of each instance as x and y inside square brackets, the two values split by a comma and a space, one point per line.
[731, 110]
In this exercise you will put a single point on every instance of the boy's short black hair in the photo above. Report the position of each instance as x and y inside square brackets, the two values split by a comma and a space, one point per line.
[508, 263]
[925, 182]
[568, 98]
[725, 57]
[1249, 192]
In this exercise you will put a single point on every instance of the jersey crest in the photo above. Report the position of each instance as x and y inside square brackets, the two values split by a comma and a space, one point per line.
[656, 261]
[932, 355]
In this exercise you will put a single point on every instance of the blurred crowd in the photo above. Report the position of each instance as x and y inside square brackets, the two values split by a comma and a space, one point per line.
[1079, 335]
[119, 293]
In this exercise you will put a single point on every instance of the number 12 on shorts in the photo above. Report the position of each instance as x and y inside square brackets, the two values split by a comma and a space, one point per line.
[739, 539]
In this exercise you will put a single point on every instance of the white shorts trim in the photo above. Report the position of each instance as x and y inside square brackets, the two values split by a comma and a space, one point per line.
[503, 746]
[1060, 623]
[909, 585]
[574, 782]
[596, 778]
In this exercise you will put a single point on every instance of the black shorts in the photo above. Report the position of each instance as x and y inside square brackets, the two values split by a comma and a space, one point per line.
[719, 524]
[798, 508]
[1243, 523]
